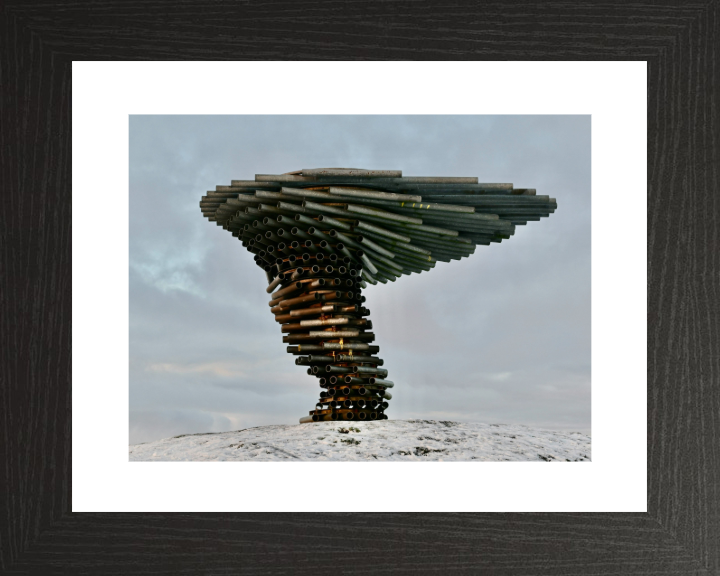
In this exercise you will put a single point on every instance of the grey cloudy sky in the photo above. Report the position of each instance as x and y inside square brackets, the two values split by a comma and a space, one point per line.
[500, 337]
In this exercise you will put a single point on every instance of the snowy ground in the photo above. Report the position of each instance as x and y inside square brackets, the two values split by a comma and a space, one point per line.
[419, 440]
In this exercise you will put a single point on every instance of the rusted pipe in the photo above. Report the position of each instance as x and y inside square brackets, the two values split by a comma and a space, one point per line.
[325, 322]
[275, 283]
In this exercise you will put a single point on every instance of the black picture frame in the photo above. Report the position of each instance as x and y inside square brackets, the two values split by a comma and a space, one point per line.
[680, 533]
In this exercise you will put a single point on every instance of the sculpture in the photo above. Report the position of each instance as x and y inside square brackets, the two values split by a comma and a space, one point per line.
[322, 235]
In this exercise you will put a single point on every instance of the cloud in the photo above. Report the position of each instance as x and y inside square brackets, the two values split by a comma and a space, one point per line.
[220, 369]
[498, 376]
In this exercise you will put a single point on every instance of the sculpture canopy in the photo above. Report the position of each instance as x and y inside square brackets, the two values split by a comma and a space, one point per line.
[393, 225]
[322, 234]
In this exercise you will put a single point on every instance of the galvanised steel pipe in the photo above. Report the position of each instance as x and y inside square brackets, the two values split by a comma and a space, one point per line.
[268, 209]
[302, 219]
[365, 260]
[315, 208]
[327, 247]
[424, 262]
[455, 180]
[359, 358]
[420, 228]
[367, 227]
[272, 223]
[440, 252]
[428, 208]
[412, 207]
[382, 372]
[383, 214]
[344, 239]
[315, 232]
[427, 189]
[475, 223]
[350, 346]
[369, 277]
[459, 252]
[356, 193]
[310, 246]
[387, 272]
[301, 193]
[259, 225]
[315, 358]
[380, 382]
[340, 247]
[452, 240]
[367, 243]
[375, 257]
[260, 239]
[384, 277]
[271, 180]
[327, 221]
[325, 172]
[304, 349]
[435, 242]
[493, 200]
[265, 195]
[338, 370]
[295, 231]
[478, 219]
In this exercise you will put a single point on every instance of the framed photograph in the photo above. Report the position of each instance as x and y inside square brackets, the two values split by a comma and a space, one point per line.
[74, 502]
[616, 429]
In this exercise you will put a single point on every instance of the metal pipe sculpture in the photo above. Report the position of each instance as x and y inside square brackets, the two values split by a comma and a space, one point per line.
[322, 235]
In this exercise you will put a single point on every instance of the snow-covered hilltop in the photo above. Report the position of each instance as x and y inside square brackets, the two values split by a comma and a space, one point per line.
[419, 440]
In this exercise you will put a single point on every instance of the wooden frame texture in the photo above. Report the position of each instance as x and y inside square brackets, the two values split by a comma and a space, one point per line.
[680, 533]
